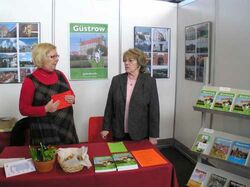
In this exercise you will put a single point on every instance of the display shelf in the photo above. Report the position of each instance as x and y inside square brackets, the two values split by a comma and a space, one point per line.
[205, 159]
[208, 157]
[211, 111]
[217, 145]
[243, 170]
[203, 175]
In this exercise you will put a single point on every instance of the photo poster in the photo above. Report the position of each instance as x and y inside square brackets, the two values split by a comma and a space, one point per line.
[154, 42]
[197, 46]
[88, 51]
[16, 42]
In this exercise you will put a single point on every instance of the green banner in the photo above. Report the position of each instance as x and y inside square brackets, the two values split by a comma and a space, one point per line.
[88, 28]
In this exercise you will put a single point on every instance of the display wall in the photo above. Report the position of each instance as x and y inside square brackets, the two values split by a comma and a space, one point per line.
[23, 11]
[154, 14]
[229, 55]
[90, 94]
[229, 64]
[188, 122]
[121, 16]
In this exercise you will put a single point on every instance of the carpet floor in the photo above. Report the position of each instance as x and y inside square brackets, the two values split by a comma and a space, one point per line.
[183, 166]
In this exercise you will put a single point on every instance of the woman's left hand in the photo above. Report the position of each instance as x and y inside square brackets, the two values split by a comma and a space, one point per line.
[153, 140]
[70, 99]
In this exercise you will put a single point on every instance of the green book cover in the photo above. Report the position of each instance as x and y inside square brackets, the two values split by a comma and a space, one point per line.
[124, 161]
[201, 143]
[206, 98]
[223, 101]
[242, 104]
[104, 164]
[116, 147]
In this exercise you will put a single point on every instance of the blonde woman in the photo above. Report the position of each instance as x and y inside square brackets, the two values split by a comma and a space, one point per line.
[47, 124]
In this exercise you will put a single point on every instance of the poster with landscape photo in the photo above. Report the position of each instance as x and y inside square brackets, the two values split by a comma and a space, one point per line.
[154, 42]
[16, 42]
[197, 49]
[88, 51]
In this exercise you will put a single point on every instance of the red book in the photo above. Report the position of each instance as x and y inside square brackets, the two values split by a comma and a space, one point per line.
[60, 97]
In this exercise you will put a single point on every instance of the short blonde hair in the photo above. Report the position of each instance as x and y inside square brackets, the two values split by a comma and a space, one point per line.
[40, 52]
[138, 55]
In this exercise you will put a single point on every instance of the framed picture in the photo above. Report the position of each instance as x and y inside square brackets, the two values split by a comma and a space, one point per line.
[16, 42]
[155, 43]
[197, 52]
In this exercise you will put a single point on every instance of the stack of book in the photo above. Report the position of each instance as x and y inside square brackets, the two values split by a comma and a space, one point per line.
[117, 161]
[204, 175]
[104, 164]
[201, 143]
[124, 161]
[224, 99]
[120, 159]
[223, 146]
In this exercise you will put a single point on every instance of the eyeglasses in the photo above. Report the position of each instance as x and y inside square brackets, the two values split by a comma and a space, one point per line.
[54, 56]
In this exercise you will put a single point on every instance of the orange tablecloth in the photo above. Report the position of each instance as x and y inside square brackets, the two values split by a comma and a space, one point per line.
[158, 176]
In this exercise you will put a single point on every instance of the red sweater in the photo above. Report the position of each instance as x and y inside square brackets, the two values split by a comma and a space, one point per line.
[28, 90]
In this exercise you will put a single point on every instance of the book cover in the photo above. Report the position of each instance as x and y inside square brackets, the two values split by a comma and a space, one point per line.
[117, 147]
[239, 153]
[197, 178]
[242, 104]
[235, 184]
[221, 148]
[60, 97]
[206, 98]
[124, 161]
[148, 157]
[104, 164]
[223, 101]
[216, 180]
[201, 143]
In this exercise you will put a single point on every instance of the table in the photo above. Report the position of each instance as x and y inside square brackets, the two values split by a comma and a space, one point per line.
[157, 176]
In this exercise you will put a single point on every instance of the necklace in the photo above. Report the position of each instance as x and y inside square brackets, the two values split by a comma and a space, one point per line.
[131, 82]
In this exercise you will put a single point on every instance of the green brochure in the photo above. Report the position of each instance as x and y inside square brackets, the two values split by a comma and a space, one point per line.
[117, 147]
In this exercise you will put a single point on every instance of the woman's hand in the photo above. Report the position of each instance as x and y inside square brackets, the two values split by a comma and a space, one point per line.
[153, 140]
[104, 134]
[70, 99]
[51, 107]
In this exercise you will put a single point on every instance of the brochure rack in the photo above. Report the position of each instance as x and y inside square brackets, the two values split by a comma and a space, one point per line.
[204, 175]
[243, 170]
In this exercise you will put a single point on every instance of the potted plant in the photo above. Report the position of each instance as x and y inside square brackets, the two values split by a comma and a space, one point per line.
[44, 157]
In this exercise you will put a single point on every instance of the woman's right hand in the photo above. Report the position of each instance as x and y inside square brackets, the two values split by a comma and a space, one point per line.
[51, 107]
[104, 134]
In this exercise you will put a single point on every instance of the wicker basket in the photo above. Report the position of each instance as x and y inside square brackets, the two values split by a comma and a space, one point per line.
[69, 168]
